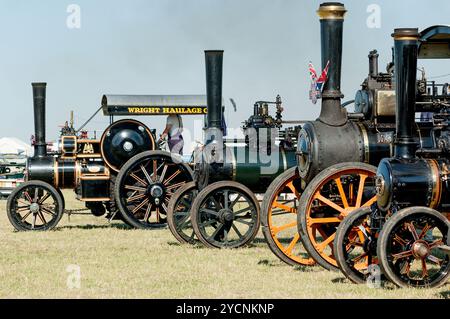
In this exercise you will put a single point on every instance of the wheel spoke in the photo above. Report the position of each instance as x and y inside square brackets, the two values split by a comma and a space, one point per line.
[44, 198]
[294, 241]
[36, 195]
[341, 192]
[209, 211]
[329, 203]
[155, 171]
[243, 210]
[425, 229]
[424, 269]
[177, 185]
[42, 218]
[362, 181]
[226, 199]
[239, 220]
[402, 255]
[208, 223]
[135, 188]
[214, 234]
[135, 198]
[326, 242]
[237, 231]
[163, 174]
[290, 185]
[148, 212]
[358, 258]
[436, 243]
[138, 207]
[140, 180]
[400, 240]
[435, 260]
[235, 201]
[284, 207]
[26, 215]
[276, 230]
[28, 197]
[412, 230]
[33, 223]
[45, 209]
[147, 176]
[325, 220]
[177, 172]
[370, 201]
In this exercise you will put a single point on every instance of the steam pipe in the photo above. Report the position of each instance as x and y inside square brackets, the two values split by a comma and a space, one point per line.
[39, 93]
[373, 63]
[331, 16]
[406, 42]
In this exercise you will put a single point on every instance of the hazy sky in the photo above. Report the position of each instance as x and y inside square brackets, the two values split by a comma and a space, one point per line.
[156, 47]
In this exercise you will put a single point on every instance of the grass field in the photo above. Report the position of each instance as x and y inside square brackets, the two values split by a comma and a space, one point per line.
[118, 262]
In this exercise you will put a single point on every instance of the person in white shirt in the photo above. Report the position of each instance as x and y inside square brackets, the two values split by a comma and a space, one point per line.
[173, 130]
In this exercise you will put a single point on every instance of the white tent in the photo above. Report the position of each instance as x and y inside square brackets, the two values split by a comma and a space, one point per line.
[12, 145]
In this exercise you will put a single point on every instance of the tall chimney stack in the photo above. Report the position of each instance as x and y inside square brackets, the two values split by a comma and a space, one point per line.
[331, 16]
[406, 42]
[214, 64]
[40, 146]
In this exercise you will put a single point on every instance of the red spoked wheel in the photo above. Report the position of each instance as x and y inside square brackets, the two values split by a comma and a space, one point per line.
[279, 219]
[145, 185]
[331, 196]
[411, 248]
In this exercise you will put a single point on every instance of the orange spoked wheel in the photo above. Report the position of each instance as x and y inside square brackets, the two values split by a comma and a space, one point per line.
[279, 219]
[331, 196]
[355, 246]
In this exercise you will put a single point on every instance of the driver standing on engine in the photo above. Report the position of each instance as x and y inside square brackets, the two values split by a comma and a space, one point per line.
[173, 130]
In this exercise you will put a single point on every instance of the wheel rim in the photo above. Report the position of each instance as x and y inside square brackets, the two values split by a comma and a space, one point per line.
[34, 207]
[282, 222]
[413, 253]
[227, 218]
[147, 187]
[182, 215]
[359, 247]
[336, 196]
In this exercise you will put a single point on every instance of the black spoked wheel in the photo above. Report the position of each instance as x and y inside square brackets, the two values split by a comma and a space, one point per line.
[36, 206]
[355, 246]
[225, 215]
[409, 248]
[145, 185]
[179, 214]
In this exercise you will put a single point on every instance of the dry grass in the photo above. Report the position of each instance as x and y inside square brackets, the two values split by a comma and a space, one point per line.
[117, 262]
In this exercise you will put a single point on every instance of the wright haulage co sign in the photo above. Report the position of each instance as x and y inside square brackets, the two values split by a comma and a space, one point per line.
[162, 110]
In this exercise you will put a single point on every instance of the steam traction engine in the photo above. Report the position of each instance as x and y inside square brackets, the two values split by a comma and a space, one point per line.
[220, 208]
[91, 167]
[406, 232]
[304, 206]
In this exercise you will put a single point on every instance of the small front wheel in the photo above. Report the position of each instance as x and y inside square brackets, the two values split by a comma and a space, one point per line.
[225, 215]
[35, 206]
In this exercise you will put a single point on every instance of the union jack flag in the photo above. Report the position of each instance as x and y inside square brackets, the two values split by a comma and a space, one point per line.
[317, 82]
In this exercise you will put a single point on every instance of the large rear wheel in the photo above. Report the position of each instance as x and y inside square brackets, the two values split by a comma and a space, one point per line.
[145, 185]
[331, 196]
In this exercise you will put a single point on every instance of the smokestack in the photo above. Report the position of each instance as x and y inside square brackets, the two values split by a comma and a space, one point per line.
[331, 16]
[214, 62]
[373, 63]
[40, 146]
[406, 42]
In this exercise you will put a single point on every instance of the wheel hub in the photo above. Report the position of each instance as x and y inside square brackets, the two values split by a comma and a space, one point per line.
[420, 249]
[226, 215]
[156, 192]
[34, 208]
